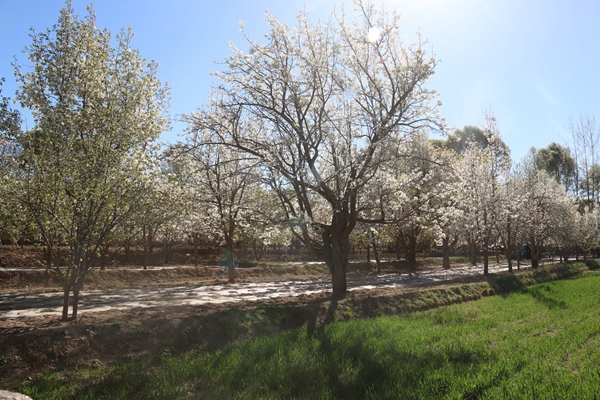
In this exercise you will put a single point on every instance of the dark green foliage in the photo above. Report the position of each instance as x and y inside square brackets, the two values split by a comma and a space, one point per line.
[508, 283]
[558, 162]
[461, 139]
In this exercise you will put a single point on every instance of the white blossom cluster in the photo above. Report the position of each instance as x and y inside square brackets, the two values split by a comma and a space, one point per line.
[319, 134]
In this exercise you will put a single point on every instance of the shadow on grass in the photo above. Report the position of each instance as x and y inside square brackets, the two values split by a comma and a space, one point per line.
[510, 283]
[543, 294]
[506, 284]
[312, 319]
[354, 370]
[214, 332]
[592, 264]
[298, 366]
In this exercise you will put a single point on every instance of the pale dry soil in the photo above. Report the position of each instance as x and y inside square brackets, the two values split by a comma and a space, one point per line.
[30, 305]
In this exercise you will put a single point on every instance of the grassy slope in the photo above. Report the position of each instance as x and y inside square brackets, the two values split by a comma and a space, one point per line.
[537, 342]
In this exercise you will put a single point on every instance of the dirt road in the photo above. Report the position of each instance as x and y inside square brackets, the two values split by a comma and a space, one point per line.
[21, 305]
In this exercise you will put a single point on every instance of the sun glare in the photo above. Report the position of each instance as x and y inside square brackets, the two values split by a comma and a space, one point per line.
[374, 34]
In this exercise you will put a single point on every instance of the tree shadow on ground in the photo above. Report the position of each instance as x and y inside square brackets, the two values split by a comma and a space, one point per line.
[506, 284]
[543, 294]
[343, 369]
[592, 264]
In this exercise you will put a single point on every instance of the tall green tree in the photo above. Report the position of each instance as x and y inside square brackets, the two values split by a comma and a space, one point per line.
[87, 163]
[463, 140]
[557, 161]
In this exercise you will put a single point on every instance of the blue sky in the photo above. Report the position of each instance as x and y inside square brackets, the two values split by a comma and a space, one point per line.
[533, 63]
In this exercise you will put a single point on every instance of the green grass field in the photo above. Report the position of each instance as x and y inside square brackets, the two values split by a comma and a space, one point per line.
[539, 343]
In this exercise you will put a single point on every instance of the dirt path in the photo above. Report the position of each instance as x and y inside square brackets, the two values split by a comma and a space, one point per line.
[21, 305]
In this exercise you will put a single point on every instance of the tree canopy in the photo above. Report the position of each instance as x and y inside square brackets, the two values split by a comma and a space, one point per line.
[86, 165]
[319, 134]
[557, 161]
[326, 107]
[472, 136]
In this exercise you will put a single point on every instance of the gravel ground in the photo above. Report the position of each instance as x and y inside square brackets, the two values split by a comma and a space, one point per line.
[21, 305]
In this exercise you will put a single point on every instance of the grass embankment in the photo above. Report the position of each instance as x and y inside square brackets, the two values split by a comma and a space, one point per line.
[541, 341]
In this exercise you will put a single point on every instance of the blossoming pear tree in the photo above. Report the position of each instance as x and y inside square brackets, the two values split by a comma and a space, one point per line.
[327, 99]
[87, 163]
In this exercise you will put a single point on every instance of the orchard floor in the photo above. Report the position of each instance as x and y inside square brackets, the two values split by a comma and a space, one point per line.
[170, 309]
[34, 304]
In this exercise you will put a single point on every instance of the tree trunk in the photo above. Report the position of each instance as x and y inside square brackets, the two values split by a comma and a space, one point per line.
[148, 238]
[446, 252]
[259, 249]
[411, 254]
[338, 277]
[104, 257]
[336, 253]
[486, 255]
[398, 248]
[535, 256]
[486, 259]
[473, 249]
[409, 242]
[65, 310]
[48, 257]
[78, 286]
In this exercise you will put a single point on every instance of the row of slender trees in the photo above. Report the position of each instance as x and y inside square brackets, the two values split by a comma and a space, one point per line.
[319, 134]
